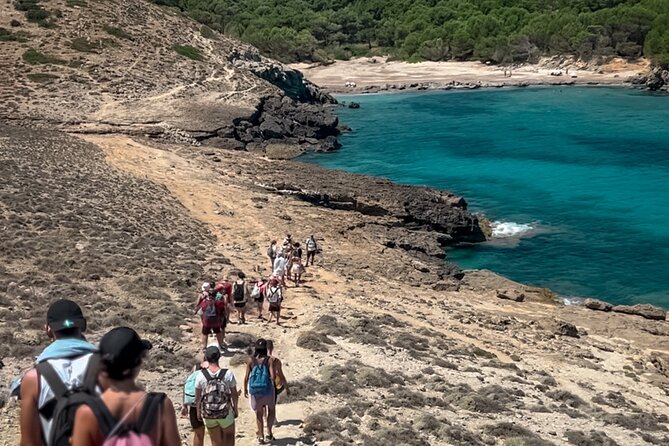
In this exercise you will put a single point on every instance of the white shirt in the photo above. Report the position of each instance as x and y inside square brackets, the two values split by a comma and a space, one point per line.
[279, 266]
[229, 378]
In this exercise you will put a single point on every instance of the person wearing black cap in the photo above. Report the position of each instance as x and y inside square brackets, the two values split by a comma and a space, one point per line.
[216, 392]
[259, 388]
[61, 365]
[124, 402]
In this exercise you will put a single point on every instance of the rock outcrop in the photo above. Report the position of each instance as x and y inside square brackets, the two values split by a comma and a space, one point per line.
[595, 304]
[133, 67]
[655, 80]
[644, 310]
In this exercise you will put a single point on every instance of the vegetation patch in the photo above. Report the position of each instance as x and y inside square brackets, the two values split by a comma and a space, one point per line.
[639, 421]
[593, 438]
[34, 57]
[42, 77]
[314, 341]
[188, 51]
[117, 32]
[207, 32]
[83, 45]
[78, 3]
[515, 435]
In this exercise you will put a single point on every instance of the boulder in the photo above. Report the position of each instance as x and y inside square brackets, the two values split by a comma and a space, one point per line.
[566, 329]
[513, 295]
[644, 310]
[595, 304]
[446, 286]
[224, 143]
[283, 151]
[353, 105]
[270, 128]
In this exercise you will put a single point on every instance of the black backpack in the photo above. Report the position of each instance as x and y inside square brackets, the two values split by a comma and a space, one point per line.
[66, 401]
[238, 291]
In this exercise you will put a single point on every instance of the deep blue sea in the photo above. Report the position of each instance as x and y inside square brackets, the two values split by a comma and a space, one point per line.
[575, 179]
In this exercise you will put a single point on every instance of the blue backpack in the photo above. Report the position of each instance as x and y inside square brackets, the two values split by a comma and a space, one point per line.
[189, 388]
[260, 381]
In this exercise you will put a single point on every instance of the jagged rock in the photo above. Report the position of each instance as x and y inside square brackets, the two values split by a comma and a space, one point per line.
[270, 128]
[644, 310]
[513, 295]
[446, 286]
[595, 304]
[566, 329]
[354, 105]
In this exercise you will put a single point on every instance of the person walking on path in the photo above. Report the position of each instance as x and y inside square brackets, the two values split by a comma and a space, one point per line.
[213, 315]
[280, 382]
[240, 295]
[258, 295]
[280, 268]
[217, 399]
[297, 269]
[142, 416]
[274, 297]
[312, 248]
[259, 388]
[189, 407]
[65, 362]
[271, 253]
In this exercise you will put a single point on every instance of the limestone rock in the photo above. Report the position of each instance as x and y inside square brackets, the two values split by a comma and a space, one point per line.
[513, 295]
[595, 304]
[566, 329]
[644, 310]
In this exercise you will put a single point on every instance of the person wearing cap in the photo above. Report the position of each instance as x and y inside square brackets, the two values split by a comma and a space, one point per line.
[69, 356]
[122, 352]
[221, 431]
[263, 405]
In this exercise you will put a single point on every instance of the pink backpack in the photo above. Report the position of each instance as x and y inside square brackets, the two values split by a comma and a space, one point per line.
[118, 433]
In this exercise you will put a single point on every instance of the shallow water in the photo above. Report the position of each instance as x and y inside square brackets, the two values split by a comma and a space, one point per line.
[576, 179]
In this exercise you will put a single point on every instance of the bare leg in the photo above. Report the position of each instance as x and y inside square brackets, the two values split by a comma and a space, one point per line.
[216, 436]
[229, 436]
[198, 436]
[260, 422]
[278, 315]
[271, 416]
[204, 339]
[220, 338]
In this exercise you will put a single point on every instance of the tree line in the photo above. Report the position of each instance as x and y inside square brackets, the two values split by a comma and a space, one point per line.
[499, 31]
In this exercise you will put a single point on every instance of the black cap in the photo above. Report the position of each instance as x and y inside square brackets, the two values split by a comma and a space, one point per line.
[122, 348]
[65, 314]
[212, 354]
[261, 344]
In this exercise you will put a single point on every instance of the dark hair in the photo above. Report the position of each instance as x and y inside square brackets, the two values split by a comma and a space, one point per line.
[297, 245]
[241, 275]
[116, 372]
[272, 242]
[74, 332]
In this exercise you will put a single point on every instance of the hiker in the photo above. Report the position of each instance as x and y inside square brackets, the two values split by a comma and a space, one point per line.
[125, 414]
[297, 269]
[271, 253]
[66, 361]
[217, 399]
[288, 241]
[280, 382]
[205, 290]
[214, 320]
[258, 295]
[224, 288]
[280, 267]
[274, 297]
[259, 388]
[189, 406]
[312, 248]
[240, 294]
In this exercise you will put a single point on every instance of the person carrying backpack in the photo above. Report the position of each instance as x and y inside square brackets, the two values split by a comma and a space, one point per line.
[271, 253]
[65, 375]
[312, 248]
[258, 295]
[274, 297]
[259, 388]
[189, 407]
[217, 399]
[214, 319]
[125, 415]
[239, 295]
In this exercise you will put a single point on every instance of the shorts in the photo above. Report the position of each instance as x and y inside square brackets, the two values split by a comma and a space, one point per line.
[259, 298]
[258, 401]
[274, 307]
[240, 304]
[223, 423]
[212, 330]
[192, 416]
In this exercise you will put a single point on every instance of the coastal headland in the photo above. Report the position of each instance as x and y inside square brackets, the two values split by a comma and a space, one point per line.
[129, 174]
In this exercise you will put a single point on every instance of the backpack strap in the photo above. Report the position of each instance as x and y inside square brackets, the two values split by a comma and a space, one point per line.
[150, 412]
[206, 374]
[52, 378]
[92, 371]
[106, 420]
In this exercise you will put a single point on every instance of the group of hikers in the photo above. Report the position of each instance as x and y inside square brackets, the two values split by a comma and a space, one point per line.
[78, 394]
[218, 300]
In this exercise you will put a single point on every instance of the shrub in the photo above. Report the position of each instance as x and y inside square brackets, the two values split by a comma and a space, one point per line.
[188, 51]
[117, 32]
[207, 32]
[14, 23]
[34, 57]
[314, 341]
[42, 77]
[73, 3]
[82, 45]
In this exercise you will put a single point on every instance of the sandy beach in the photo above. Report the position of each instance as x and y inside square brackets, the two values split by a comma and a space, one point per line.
[378, 74]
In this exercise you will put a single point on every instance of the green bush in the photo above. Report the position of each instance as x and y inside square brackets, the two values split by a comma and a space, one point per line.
[42, 77]
[117, 32]
[34, 57]
[188, 51]
[82, 45]
[73, 3]
[207, 32]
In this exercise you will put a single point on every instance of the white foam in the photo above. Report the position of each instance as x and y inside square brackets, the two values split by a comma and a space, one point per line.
[503, 229]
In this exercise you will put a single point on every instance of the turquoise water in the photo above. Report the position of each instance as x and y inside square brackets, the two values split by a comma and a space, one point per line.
[577, 179]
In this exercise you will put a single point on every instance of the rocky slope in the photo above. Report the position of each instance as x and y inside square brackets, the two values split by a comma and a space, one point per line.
[379, 347]
[133, 67]
[656, 79]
